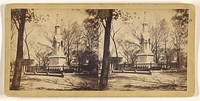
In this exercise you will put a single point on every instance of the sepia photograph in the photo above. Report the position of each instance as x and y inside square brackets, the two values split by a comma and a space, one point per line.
[99, 49]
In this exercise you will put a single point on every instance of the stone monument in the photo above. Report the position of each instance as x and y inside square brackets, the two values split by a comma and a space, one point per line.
[57, 61]
[145, 55]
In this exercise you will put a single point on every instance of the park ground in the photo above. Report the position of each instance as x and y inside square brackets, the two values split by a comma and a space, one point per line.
[173, 81]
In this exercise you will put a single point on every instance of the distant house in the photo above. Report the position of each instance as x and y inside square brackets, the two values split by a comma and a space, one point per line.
[26, 65]
[114, 61]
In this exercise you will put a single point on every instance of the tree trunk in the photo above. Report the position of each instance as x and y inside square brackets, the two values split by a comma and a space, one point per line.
[166, 55]
[106, 54]
[178, 59]
[68, 55]
[156, 53]
[28, 52]
[116, 52]
[19, 55]
[178, 52]
[27, 47]
[79, 64]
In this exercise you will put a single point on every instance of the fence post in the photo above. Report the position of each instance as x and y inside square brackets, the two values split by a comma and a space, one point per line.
[150, 65]
[47, 70]
[136, 65]
[63, 68]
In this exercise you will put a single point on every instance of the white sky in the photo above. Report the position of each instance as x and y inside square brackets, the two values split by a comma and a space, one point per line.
[67, 16]
[152, 17]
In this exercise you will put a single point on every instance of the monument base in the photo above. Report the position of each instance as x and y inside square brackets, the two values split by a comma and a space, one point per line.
[57, 64]
[145, 58]
[145, 61]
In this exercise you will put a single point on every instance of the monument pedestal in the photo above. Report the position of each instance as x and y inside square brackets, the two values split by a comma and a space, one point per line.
[144, 58]
[57, 63]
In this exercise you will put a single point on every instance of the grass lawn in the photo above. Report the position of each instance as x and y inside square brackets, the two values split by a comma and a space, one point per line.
[117, 81]
[156, 81]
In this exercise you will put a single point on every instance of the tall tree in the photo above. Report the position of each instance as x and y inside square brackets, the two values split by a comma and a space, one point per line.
[107, 15]
[115, 43]
[18, 17]
[159, 38]
[70, 35]
[28, 42]
[91, 38]
[42, 52]
[180, 23]
[29, 28]
[130, 50]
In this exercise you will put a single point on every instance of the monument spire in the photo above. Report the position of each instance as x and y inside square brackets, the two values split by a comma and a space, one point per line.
[56, 19]
[145, 55]
[57, 26]
[145, 16]
[58, 58]
[145, 24]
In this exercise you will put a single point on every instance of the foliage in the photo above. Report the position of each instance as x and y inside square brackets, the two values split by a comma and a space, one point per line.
[180, 24]
[18, 17]
[92, 34]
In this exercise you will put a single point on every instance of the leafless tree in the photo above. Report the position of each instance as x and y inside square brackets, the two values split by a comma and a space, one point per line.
[112, 36]
[130, 50]
[18, 17]
[159, 38]
[42, 52]
[70, 39]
